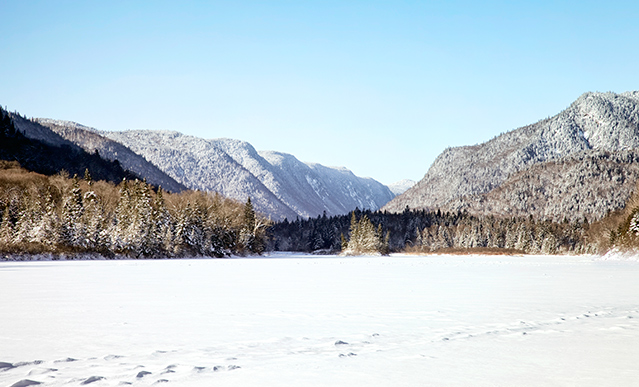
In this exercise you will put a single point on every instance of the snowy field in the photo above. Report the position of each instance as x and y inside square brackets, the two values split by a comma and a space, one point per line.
[299, 321]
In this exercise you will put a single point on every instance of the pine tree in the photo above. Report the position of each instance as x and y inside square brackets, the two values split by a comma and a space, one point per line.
[87, 177]
[247, 234]
[195, 234]
[365, 239]
[72, 232]
[120, 237]
[141, 229]
[28, 217]
[162, 224]
[97, 238]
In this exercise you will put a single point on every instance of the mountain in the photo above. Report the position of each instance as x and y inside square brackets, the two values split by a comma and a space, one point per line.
[308, 188]
[41, 150]
[574, 139]
[399, 187]
[586, 184]
[200, 165]
[91, 141]
[278, 183]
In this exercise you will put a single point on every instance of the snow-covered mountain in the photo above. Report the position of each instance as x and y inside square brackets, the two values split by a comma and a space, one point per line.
[279, 185]
[595, 122]
[399, 187]
[307, 188]
[90, 140]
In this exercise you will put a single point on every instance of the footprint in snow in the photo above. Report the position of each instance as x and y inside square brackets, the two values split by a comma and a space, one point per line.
[5, 366]
[40, 371]
[92, 379]
[25, 383]
[67, 360]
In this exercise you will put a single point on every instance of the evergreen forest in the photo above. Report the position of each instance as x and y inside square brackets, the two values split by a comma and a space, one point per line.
[424, 231]
[61, 215]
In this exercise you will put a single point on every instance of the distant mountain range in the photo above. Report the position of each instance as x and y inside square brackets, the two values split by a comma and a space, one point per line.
[279, 184]
[580, 163]
[401, 186]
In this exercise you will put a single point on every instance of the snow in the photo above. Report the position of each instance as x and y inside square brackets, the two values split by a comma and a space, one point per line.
[619, 255]
[399, 187]
[291, 319]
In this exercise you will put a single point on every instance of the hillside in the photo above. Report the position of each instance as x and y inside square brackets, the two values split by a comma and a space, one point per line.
[308, 188]
[200, 165]
[278, 183]
[587, 184]
[38, 149]
[91, 141]
[595, 122]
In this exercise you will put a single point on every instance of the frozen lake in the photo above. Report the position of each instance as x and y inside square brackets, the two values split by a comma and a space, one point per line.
[296, 320]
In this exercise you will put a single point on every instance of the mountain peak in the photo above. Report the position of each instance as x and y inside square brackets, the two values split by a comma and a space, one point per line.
[595, 121]
[399, 187]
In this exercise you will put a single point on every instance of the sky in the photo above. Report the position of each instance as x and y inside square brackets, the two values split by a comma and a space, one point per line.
[380, 87]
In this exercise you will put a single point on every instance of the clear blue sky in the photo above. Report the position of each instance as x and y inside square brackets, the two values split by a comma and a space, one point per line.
[381, 87]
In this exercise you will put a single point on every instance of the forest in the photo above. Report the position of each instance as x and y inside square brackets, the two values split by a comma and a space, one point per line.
[61, 215]
[423, 231]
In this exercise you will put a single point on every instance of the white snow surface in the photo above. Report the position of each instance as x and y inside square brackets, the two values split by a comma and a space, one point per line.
[292, 320]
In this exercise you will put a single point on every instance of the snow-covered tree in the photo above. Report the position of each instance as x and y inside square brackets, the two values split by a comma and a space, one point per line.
[365, 239]
[72, 229]
[634, 224]
[96, 230]
[121, 239]
[162, 223]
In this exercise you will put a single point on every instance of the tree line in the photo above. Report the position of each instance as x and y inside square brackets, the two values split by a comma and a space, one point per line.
[430, 231]
[58, 214]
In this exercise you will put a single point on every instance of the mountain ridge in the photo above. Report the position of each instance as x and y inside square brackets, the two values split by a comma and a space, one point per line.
[91, 140]
[594, 122]
[284, 186]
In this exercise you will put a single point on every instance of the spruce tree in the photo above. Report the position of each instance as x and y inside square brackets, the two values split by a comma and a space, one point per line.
[365, 239]
[162, 224]
[247, 234]
[72, 233]
[120, 237]
[141, 229]
[97, 238]
[87, 177]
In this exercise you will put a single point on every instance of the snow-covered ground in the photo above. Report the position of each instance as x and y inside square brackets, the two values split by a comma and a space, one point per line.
[299, 320]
